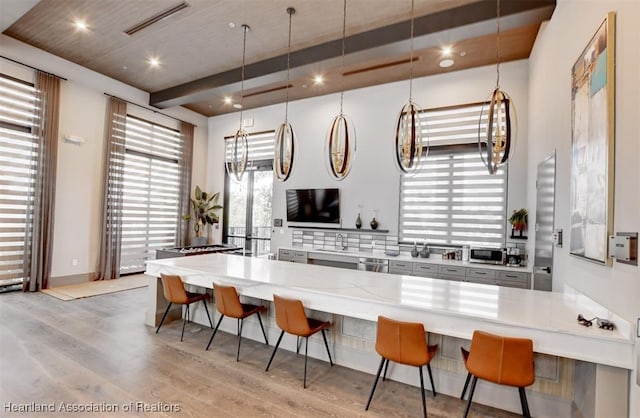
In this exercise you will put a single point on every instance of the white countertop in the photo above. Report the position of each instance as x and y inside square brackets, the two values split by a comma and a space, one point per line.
[445, 307]
[434, 259]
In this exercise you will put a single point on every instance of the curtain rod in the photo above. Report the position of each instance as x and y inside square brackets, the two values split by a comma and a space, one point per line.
[33, 68]
[149, 109]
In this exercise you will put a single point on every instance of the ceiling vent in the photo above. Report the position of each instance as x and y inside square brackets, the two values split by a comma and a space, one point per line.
[156, 18]
[380, 66]
[267, 91]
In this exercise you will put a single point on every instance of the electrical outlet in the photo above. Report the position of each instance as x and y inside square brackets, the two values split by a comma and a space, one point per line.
[74, 262]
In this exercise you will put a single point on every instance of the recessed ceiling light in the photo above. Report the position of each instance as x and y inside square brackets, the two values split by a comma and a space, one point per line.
[227, 100]
[318, 79]
[232, 25]
[154, 62]
[124, 67]
[446, 63]
[80, 25]
[237, 105]
[446, 51]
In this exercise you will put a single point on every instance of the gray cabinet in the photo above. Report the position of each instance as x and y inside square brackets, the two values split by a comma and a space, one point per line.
[520, 279]
[294, 256]
[448, 272]
[400, 267]
[425, 270]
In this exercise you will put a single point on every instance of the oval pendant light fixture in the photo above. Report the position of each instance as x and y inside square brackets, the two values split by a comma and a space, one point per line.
[340, 148]
[409, 149]
[496, 136]
[285, 138]
[236, 163]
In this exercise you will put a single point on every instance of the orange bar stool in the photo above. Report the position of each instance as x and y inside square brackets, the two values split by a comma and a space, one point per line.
[403, 343]
[501, 360]
[228, 304]
[291, 318]
[174, 292]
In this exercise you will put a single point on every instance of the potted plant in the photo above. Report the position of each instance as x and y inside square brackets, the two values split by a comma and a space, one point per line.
[204, 207]
[518, 221]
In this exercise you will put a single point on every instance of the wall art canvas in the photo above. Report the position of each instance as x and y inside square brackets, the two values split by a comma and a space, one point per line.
[592, 145]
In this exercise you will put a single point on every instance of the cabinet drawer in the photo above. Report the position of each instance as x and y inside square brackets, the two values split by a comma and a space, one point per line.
[285, 255]
[480, 273]
[449, 277]
[405, 266]
[514, 279]
[452, 271]
[420, 268]
[300, 254]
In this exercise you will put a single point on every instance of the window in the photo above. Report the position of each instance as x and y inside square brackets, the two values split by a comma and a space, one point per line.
[452, 199]
[151, 192]
[248, 202]
[19, 150]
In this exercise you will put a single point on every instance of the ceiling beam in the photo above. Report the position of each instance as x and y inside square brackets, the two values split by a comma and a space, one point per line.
[476, 17]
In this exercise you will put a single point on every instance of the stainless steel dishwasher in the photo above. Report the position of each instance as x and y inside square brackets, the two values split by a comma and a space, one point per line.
[379, 265]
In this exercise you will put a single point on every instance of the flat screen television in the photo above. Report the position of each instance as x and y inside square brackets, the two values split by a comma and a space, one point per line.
[313, 205]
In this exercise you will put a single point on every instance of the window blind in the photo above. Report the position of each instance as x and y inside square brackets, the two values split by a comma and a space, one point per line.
[452, 199]
[261, 146]
[151, 186]
[19, 150]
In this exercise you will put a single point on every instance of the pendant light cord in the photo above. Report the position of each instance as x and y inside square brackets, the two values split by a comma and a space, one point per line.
[245, 29]
[498, 44]
[411, 59]
[344, 34]
[291, 11]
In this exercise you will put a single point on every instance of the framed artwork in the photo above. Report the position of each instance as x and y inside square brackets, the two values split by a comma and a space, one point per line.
[592, 145]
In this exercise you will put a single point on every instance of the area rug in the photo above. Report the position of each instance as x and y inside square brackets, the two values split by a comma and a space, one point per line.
[101, 287]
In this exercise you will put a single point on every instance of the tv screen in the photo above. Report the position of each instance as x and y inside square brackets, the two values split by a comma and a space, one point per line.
[313, 205]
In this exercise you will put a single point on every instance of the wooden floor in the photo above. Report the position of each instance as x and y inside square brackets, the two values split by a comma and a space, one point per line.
[97, 353]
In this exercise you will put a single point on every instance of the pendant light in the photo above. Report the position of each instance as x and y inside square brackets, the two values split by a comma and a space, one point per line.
[236, 164]
[285, 138]
[496, 138]
[341, 138]
[408, 140]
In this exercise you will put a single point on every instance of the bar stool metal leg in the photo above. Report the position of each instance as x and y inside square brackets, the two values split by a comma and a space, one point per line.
[424, 401]
[214, 332]
[375, 383]
[433, 387]
[186, 318]
[466, 384]
[262, 328]
[164, 316]
[204, 302]
[274, 351]
[326, 345]
[523, 402]
[239, 339]
[473, 388]
[386, 366]
[306, 347]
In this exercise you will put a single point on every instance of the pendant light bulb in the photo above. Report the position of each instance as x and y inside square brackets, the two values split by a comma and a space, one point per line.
[285, 138]
[409, 146]
[340, 145]
[236, 162]
[496, 134]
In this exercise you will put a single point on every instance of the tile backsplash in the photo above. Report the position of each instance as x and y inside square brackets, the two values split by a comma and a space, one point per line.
[354, 241]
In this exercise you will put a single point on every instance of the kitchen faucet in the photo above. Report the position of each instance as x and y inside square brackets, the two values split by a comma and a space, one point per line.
[341, 237]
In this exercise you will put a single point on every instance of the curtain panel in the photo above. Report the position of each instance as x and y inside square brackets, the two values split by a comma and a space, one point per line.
[182, 226]
[108, 264]
[40, 216]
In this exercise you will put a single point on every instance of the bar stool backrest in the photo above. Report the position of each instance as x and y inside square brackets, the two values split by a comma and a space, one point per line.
[402, 342]
[502, 360]
[290, 316]
[173, 289]
[227, 301]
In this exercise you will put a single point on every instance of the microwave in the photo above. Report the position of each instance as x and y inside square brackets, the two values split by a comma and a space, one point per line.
[486, 255]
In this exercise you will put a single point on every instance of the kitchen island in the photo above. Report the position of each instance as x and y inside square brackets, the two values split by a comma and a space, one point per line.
[574, 359]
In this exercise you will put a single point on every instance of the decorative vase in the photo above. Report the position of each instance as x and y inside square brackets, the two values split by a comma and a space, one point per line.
[358, 222]
[424, 253]
[374, 223]
[414, 251]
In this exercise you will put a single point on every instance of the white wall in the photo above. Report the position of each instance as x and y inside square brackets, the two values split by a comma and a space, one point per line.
[555, 51]
[374, 180]
[79, 177]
